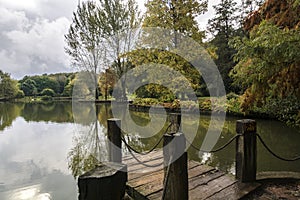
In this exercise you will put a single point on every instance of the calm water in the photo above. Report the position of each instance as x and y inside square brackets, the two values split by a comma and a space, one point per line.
[42, 147]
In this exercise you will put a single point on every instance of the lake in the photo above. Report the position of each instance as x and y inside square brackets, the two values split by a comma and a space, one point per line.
[44, 146]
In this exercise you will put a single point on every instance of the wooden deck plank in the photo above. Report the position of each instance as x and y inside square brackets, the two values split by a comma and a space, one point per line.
[212, 187]
[205, 182]
[235, 191]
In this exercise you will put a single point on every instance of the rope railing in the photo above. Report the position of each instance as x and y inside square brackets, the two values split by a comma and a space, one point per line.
[274, 154]
[218, 149]
[141, 162]
[149, 151]
[138, 152]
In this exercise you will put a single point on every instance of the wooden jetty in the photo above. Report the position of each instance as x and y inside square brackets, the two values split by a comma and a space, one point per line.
[204, 182]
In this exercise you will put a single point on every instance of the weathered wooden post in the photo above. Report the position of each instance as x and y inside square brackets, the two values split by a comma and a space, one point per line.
[246, 151]
[114, 136]
[108, 180]
[105, 182]
[176, 157]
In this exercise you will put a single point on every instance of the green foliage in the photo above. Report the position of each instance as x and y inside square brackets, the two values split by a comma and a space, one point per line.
[224, 27]
[28, 86]
[267, 59]
[20, 94]
[48, 92]
[180, 18]
[34, 85]
[99, 35]
[269, 68]
[8, 86]
[146, 101]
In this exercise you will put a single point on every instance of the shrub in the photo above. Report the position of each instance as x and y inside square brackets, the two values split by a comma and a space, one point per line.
[48, 92]
[20, 94]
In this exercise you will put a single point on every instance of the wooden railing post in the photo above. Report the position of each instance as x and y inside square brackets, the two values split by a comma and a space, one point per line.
[246, 151]
[175, 156]
[106, 181]
[114, 136]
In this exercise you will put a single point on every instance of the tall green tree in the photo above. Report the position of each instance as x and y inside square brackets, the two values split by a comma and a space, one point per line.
[119, 19]
[223, 27]
[179, 18]
[101, 34]
[85, 40]
[8, 86]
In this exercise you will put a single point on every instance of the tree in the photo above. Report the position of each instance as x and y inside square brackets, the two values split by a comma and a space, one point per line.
[119, 20]
[8, 87]
[224, 27]
[268, 61]
[101, 34]
[107, 81]
[85, 40]
[178, 17]
[29, 87]
[48, 92]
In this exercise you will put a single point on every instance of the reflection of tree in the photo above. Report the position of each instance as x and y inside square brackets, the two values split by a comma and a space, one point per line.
[8, 113]
[89, 150]
[51, 112]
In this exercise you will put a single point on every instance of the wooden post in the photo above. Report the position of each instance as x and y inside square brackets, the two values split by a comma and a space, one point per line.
[175, 120]
[104, 182]
[175, 155]
[246, 151]
[114, 136]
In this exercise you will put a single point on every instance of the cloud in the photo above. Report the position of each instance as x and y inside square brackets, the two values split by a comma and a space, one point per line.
[32, 45]
[32, 36]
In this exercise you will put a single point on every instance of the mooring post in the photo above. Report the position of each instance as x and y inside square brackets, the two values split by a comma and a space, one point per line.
[175, 175]
[105, 182]
[246, 151]
[114, 137]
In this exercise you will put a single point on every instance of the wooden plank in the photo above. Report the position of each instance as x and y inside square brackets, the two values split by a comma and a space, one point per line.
[142, 168]
[204, 179]
[212, 187]
[134, 175]
[199, 170]
[156, 195]
[149, 189]
[128, 159]
[235, 191]
[148, 179]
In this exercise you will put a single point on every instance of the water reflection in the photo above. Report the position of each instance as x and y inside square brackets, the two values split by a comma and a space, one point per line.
[89, 148]
[8, 113]
[42, 149]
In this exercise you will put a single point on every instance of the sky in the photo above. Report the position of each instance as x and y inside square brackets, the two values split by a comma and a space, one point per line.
[32, 35]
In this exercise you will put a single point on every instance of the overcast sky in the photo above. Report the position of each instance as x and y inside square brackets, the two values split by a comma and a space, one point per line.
[32, 35]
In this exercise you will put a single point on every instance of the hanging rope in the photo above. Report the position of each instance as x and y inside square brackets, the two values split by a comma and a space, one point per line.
[274, 154]
[218, 149]
[149, 151]
[138, 152]
[140, 162]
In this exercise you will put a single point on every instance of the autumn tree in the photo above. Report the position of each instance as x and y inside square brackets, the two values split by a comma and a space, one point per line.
[269, 61]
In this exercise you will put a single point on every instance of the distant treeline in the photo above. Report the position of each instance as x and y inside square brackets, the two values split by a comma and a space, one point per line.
[49, 85]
